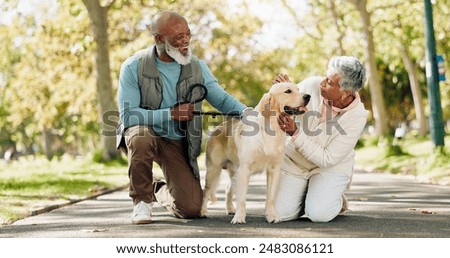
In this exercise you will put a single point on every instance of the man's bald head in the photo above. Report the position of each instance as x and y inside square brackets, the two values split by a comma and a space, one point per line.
[164, 19]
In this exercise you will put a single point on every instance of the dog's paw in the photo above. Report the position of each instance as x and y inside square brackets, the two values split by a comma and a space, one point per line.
[231, 210]
[238, 219]
[273, 218]
[204, 212]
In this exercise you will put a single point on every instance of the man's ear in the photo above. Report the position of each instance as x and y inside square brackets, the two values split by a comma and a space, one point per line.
[159, 39]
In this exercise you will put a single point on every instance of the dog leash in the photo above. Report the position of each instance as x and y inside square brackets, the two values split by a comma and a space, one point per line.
[215, 114]
[198, 92]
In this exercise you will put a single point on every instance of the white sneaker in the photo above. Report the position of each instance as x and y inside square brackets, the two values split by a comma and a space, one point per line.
[142, 213]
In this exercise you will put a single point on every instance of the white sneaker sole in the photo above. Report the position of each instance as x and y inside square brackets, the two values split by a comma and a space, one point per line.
[141, 221]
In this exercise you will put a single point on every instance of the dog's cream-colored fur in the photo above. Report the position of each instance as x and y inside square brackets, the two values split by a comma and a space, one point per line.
[251, 145]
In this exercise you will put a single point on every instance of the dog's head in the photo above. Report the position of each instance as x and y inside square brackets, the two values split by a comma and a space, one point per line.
[283, 97]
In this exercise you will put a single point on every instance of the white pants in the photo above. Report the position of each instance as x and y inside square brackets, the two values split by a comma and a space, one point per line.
[319, 197]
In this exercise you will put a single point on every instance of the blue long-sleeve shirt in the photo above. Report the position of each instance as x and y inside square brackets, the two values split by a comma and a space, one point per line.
[129, 97]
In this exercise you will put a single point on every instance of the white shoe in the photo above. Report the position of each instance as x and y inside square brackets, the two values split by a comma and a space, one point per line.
[142, 213]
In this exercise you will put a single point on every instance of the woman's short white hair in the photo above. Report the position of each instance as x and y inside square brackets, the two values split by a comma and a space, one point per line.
[351, 70]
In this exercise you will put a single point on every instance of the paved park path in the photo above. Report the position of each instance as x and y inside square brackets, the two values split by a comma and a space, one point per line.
[381, 205]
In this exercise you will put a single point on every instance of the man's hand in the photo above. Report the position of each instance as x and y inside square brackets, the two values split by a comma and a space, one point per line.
[281, 78]
[287, 124]
[182, 112]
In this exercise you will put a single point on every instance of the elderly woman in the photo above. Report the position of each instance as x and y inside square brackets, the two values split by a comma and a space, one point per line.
[319, 159]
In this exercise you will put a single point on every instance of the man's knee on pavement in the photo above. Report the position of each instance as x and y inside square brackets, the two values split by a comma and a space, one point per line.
[188, 212]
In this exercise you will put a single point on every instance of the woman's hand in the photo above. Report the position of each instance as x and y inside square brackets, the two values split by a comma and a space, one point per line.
[281, 78]
[287, 124]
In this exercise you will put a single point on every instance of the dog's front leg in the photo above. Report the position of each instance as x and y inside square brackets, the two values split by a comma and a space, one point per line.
[243, 178]
[273, 176]
[211, 182]
[230, 192]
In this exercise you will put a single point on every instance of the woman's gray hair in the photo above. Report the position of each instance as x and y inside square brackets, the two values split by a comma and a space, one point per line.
[352, 71]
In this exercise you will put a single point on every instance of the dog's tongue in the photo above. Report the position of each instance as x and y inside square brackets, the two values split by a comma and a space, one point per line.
[304, 109]
[300, 110]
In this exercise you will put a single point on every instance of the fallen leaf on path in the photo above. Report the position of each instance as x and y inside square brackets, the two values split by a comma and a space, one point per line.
[427, 212]
[95, 230]
[422, 211]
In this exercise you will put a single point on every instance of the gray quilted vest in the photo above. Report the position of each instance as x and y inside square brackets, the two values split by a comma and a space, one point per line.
[151, 97]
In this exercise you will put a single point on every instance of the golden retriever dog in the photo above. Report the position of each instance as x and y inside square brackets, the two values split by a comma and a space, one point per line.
[251, 145]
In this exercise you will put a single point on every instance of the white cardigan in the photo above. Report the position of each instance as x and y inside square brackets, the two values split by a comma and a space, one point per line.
[323, 147]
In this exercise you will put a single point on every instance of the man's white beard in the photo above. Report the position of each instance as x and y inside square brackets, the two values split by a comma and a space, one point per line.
[177, 55]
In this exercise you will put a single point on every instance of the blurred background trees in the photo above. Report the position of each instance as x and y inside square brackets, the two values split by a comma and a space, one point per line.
[57, 83]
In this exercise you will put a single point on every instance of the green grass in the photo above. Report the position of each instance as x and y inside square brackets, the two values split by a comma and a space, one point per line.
[412, 156]
[28, 184]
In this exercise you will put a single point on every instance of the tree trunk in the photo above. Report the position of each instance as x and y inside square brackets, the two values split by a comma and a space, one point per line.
[106, 100]
[332, 6]
[48, 143]
[411, 68]
[378, 106]
[416, 93]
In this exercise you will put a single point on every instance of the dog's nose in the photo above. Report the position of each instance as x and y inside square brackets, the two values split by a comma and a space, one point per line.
[306, 98]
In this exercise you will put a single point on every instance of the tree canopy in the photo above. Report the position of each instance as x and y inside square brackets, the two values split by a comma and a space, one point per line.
[50, 101]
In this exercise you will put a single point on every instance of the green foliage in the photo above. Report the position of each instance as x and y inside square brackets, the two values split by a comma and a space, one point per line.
[397, 92]
[394, 151]
[45, 184]
[97, 157]
[419, 160]
[440, 158]
[359, 144]
[369, 140]
[435, 168]
[48, 99]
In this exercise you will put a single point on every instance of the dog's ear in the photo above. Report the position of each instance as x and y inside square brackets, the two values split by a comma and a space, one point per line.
[267, 104]
[264, 103]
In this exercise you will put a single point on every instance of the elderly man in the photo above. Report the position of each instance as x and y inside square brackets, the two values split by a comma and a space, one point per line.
[157, 123]
[319, 158]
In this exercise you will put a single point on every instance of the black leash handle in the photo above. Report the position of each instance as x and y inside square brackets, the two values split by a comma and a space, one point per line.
[197, 93]
[215, 114]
